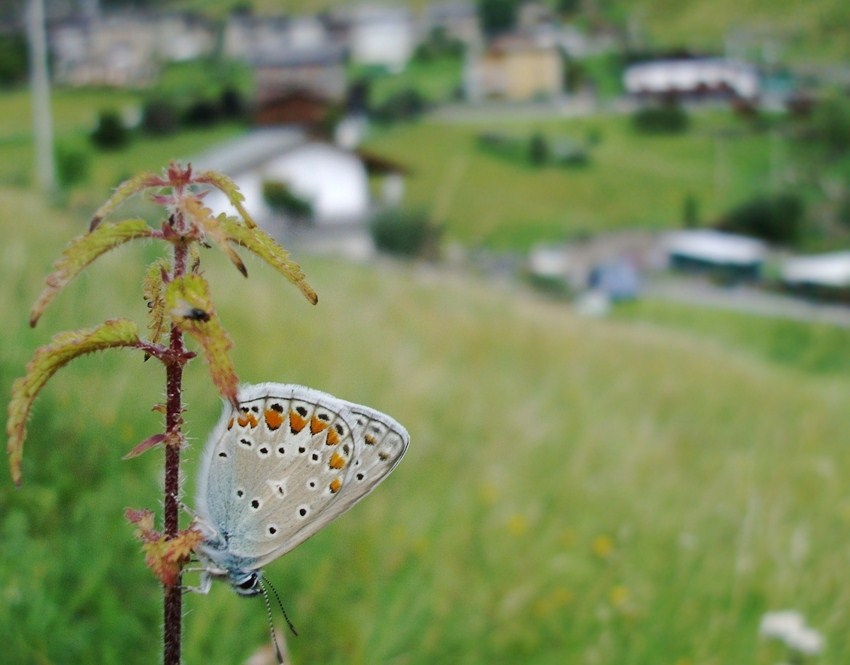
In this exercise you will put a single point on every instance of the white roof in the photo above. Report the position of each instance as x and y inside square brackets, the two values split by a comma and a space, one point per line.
[663, 75]
[831, 269]
[716, 247]
[545, 261]
[249, 150]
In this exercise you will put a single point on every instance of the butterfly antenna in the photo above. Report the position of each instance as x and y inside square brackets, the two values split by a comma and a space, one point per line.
[280, 604]
[277, 651]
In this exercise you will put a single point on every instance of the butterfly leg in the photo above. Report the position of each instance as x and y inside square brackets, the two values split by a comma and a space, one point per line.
[205, 582]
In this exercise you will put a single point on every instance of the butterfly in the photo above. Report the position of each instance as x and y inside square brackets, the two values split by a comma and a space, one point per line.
[275, 470]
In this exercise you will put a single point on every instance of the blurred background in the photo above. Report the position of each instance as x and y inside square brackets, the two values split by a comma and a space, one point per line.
[594, 254]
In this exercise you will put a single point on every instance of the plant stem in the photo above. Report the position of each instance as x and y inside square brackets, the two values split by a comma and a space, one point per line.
[173, 595]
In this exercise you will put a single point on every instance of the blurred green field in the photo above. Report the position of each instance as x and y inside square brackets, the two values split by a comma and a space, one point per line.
[486, 200]
[482, 199]
[577, 490]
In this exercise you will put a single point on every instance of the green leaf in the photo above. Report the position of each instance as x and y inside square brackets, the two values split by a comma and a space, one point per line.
[264, 246]
[230, 190]
[203, 217]
[188, 302]
[153, 289]
[81, 251]
[123, 192]
[63, 348]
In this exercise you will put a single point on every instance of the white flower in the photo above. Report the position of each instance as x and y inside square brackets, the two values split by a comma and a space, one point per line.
[806, 641]
[781, 625]
[789, 627]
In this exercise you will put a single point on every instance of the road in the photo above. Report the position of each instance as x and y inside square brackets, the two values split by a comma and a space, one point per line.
[748, 299]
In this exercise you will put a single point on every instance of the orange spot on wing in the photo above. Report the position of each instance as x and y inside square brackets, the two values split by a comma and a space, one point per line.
[247, 419]
[333, 438]
[296, 422]
[230, 424]
[336, 483]
[273, 419]
[317, 425]
[337, 461]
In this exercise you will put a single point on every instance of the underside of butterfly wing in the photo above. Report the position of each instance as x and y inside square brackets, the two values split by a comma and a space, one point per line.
[285, 464]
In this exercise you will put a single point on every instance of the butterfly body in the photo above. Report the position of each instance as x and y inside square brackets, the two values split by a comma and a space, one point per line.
[281, 466]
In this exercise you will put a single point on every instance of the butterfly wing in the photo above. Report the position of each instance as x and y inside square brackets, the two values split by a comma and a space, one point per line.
[286, 463]
[379, 444]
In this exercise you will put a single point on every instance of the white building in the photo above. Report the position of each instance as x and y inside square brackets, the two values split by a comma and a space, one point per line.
[829, 271]
[382, 36]
[699, 76]
[728, 254]
[332, 179]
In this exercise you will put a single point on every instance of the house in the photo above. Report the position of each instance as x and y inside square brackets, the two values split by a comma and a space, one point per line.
[286, 55]
[125, 49]
[823, 275]
[692, 78]
[296, 106]
[456, 20]
[514, 68]
[727, 256]
[319, 72]
[334, 181]
[382, 37]
[116, 50]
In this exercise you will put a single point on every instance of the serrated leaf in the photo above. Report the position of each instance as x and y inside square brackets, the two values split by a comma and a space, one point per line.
[167, 556]
[211, 226]
[144, 521]
[188, 302]
[63, 348]
[265, 247]
[230, 190]
[164, 556]
[81, 251]
[123, 192]
[154, 294]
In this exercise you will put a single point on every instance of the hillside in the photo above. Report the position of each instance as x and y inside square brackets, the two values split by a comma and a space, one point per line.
[814, 30]
[576, 490]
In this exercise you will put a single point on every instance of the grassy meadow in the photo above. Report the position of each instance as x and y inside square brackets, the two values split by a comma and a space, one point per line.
[484, 199]
[576, 490]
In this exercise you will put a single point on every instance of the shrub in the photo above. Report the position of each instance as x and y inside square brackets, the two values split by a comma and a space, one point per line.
[160, 117]
[407, 104]
[13, 59]
[831, 124]
[202, 113]
[110, 133]
[775, 218]
[538, 149]
[73, 164]
[665, 119]
[232, 104]
[281, 199]
[405, 232]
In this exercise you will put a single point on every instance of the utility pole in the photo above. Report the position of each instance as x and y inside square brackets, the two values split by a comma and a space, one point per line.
[40, 95]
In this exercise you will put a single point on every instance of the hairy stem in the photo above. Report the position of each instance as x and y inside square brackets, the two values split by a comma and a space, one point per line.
[173, 595]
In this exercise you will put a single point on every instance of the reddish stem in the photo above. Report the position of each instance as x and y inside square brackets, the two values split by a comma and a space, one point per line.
[173, 595]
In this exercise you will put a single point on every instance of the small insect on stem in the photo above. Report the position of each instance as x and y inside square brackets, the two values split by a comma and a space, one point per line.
[198, 314]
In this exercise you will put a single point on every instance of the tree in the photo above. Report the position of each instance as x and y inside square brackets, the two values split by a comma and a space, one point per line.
[775, 218]
[497, 16]
[110, 133]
